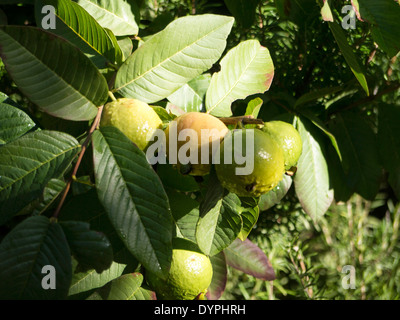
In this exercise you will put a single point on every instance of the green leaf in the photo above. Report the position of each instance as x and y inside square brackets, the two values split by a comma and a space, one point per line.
[134, 198]
[126, 46]
[219, 227]
[52, 190]
[394, 181]
[32, 245]
[161, 66]
[249, 258]
[119, 56]
[337, 177]
[245, 70]
[76, 25]
[91, 249]
[85, 281]
[383, 16]
[52, 73]
[249, 218]
[311, 180]
[119, 16]
[268, 200]
[358, 146]
[253, 107]
[27, 165]
[219, 278]
[244, 11]
[126, 287]
[214, 192]
[348, 54]
[185, 212]
[190, 96]
[320, 124]
[13, 123]
[171, 178]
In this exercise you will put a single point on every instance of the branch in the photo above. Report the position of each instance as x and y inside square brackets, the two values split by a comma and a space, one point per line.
[95, 124]
[372, 98]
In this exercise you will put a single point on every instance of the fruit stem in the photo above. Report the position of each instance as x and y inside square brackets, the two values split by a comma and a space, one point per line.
[111, 95]
[94, 126]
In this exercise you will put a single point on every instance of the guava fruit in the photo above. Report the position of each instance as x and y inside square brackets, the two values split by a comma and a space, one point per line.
[263, 152]
[189, 277]
[136, 119]
[288, 139]
[202, 131]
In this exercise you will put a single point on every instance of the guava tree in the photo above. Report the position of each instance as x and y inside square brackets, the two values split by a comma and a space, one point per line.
[83, 214]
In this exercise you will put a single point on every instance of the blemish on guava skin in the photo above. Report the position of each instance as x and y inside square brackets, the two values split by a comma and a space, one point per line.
[250, 187]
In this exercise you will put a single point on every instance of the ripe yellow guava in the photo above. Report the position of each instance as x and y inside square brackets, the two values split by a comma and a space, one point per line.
[190, 135]
[265, 154]
[288, 138]
[136, 119]
[189, 277]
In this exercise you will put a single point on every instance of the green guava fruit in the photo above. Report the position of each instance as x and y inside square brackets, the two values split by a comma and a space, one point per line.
[136, 119]
[189, 277]
[265, 154]
[196, 123]
[288, 139]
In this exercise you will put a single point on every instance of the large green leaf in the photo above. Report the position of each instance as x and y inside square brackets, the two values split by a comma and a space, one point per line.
[77, 26]
[27, 165]
[134, 199]
[52, 73]
[311, 180]
[383, 16]
[358, 146]
[245, 70]
[13, 123]
[220, 226]
[186, 48]
[32, 245]
[117, 15]
[349, 55]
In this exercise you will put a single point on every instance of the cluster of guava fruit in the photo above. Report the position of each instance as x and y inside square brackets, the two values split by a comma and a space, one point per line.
[272, 150]
[275, 147]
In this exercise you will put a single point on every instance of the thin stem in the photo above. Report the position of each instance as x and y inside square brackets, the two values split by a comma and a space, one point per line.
[111, 95]
[369, 99]
[241, 119]
[95, 124]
